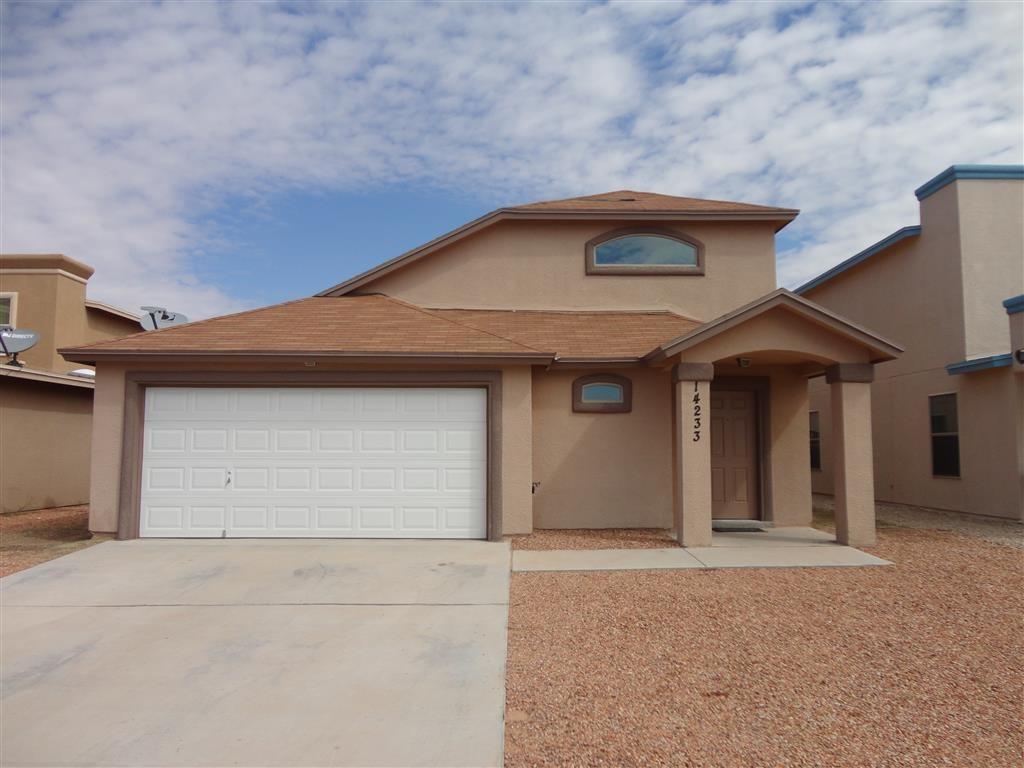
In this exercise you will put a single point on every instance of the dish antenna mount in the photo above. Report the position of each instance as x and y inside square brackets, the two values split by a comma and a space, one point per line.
[15, 340]
[158, 317]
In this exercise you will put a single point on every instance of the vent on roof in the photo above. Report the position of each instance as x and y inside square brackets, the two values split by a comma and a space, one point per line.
[627, 199]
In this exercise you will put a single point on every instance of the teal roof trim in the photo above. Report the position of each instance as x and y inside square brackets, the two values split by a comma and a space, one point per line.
[958, 172]
[1014, 305]
[980, 364]
[867, 253]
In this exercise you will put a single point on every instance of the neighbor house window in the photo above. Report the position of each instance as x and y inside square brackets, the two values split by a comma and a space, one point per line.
[945, 435]
[602, 393]
[815, 440]
[644, 252]
[8, 306]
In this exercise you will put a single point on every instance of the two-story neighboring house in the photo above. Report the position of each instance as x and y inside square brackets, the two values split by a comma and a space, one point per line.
[617, 360]
[949, 414]
[45, 412]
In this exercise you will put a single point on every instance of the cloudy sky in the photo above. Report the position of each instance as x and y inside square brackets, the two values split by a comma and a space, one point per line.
[211, 157]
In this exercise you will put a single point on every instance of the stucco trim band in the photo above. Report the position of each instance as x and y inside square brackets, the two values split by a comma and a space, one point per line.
[862, 373]
[130, 488]
[693, 372]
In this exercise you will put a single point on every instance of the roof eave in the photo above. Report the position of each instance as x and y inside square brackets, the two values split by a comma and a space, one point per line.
[94, 356]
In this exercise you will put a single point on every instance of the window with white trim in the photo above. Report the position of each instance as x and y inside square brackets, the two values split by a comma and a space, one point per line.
[8, 308]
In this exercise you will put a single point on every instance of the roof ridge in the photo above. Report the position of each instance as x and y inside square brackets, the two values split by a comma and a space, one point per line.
[194, 323]
[410, 305]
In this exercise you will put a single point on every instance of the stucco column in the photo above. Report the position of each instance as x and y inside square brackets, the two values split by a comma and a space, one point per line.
[852, 452]
[692, 473]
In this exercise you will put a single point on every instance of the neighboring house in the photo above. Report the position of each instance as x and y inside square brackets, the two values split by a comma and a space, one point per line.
[45, 412]
[614, 360]
[949, 414]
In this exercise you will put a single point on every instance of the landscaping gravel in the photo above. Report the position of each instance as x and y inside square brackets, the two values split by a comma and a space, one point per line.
[603, 538]
[916, 664]
[30, 538]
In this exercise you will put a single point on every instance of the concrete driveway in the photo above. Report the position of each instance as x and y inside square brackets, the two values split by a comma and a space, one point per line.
[257, 653]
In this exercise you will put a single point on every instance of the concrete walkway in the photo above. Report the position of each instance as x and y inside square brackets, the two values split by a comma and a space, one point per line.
[771, 548]
[257, 653]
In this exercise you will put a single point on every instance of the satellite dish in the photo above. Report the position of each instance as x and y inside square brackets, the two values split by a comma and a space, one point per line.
[15, 340]
[158, 317]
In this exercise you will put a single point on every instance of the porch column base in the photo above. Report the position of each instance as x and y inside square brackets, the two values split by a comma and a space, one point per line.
[854, 469]
[692, 497]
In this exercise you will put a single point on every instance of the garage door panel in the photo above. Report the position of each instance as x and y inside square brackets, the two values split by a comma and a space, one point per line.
[318, 462]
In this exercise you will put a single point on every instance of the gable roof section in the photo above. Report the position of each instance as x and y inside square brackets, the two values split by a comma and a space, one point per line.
[621, 205]
[882, 349]
[356, 326]
[579, 335]
[884, 244]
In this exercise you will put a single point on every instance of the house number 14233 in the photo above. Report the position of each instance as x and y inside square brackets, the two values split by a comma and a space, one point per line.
[696, 413]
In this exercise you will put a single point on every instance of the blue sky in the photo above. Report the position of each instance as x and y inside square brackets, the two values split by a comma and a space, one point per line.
[214, 157]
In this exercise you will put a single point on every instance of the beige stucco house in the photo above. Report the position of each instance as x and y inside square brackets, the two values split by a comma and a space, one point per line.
[45, 412]
[621, 359]
[948, 416]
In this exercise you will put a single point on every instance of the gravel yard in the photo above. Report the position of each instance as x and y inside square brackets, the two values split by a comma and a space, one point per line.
[30, 538]
[603, 538]
[916, 664]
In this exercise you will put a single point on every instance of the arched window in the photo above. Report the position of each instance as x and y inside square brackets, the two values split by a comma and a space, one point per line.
[602, 393]
[644, 251]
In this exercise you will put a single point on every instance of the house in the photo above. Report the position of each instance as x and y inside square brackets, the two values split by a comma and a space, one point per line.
[948, 416]
[45, 409]
[616, 360]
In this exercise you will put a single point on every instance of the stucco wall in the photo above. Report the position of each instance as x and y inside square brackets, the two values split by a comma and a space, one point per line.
[992, 241]
[44, 442]
[540, 265]
[602, 470]
[990, 442]
[940, 296]
[516, 431]
[790, 463]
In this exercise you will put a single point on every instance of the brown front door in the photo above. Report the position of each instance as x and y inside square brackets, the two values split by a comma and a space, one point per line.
[734, 455]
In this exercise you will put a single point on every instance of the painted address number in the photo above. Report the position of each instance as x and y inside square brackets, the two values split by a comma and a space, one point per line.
[696, 413]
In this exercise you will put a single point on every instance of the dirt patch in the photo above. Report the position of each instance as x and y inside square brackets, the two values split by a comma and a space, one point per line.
[30, 538]
[916, 664]
[603, 538]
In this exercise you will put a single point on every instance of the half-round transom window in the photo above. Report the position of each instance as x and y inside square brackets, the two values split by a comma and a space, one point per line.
[645, 251]
[602, 393]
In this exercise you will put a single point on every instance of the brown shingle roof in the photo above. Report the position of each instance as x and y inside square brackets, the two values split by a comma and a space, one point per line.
[381, 325]
[579, 334]
[628, 201]
[350, 325]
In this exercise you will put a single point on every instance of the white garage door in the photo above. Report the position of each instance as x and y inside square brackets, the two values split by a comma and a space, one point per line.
[323, 462]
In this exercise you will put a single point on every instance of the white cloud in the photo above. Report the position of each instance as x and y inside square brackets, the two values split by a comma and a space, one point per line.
[124, 122]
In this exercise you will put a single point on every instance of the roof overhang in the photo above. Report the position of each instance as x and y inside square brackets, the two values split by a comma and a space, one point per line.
[99, 306]
[781, 217]
[884, 244]
[980, 364]
[45, 377]
[94, 356]
[880, 349]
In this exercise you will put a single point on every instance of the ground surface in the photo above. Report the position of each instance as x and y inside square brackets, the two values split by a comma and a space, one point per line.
[916, 664]
[213, 653]
[608, 538]
[30, 538]
[996, 530]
